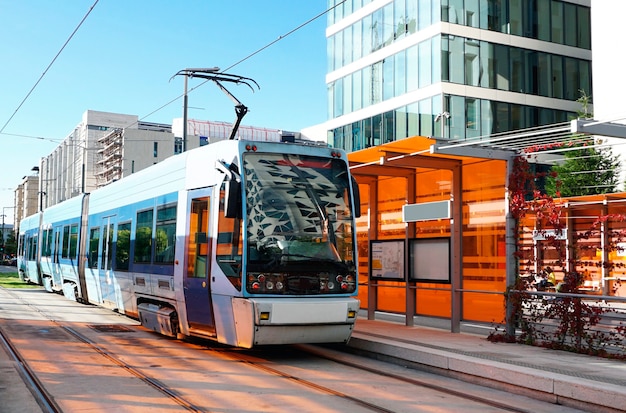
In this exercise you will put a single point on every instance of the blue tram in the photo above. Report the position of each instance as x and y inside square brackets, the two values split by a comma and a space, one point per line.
[246, 243]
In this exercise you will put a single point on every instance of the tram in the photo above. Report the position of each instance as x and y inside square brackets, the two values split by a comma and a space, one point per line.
[246, 243]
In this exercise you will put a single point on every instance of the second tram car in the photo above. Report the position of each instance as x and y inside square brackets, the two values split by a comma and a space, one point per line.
[246, 243]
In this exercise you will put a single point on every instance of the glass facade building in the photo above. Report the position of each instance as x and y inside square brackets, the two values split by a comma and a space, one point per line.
[493, 65]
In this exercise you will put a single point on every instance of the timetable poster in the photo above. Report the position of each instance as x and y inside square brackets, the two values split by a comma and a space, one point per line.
[387, 259]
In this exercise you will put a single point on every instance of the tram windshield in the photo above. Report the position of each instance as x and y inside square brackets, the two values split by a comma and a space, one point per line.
[299, 225]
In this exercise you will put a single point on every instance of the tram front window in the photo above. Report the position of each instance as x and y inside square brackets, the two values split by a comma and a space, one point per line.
[299, 225]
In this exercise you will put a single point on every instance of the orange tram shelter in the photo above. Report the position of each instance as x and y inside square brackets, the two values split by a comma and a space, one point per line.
[436, 238]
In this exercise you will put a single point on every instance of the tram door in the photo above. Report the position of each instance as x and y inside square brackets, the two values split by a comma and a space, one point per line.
[107, 284]
[197, 286]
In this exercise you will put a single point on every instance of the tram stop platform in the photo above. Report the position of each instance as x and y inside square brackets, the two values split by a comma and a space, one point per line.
[584, 382]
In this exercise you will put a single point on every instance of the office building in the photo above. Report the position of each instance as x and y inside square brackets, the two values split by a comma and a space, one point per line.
[453, 69]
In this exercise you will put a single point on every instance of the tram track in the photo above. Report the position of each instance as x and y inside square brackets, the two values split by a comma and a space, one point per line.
[357, 362]
[41, 396]
[46, 400]
[328, 373]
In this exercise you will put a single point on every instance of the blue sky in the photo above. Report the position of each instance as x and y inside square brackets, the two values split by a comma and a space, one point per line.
[122, 57]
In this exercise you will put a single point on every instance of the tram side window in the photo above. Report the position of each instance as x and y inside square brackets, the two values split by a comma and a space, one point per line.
[47, 241]
[197, 242]
[122, 248]
[66, 242]
[229, 244]
[73, 241]
[165, 234]
[94, 240]
[143, 237]
[32, 253]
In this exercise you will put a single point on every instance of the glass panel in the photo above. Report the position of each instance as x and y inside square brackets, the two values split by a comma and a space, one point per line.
[357, 41]
[165, 235]
[412, 115]
[377, 30]
[367, 86]
[435, 59]
[532, 74]
[377, 82]
[426, 117]
[357, 90]
[486, 118]
[299, 226]
[543, 20]
[584, 69]
[572, 77]
[544, 82]
[143, 237]
[570, 24]
[501, 58]
[411, 69]
[229, 243]
[367, 132]
[388, 27]
[339, 50]
[401, 124]
[517, 117]
[472, 65]
[94, 240]
[456, 122]
[358, 139]
[347, 95]
[122, 247]
[108, 248]
[557, 21]
[400, 73]
[424, 61]
[376, 130]
[584, 27]
[66, 242]
[487, 65]
[388, 127]
[411, 16]
[347, 46]
[198, 240]
[502, 117]
[517, 69]
[73, 241]
[456, 56]
[471, 13]
[387, 80]
[338, 98]
[515, 16]
[424, 14]
[557, 77]
[454, 11]
[368, 34]
[400, 20]
[472, 118]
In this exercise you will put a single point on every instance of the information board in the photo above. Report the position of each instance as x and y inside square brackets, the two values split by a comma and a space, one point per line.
[387, 259]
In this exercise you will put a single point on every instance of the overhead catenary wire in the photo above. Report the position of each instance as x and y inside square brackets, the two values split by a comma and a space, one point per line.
[49, 66]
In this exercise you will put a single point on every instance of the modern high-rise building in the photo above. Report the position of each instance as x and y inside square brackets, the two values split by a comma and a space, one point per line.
[453, 69]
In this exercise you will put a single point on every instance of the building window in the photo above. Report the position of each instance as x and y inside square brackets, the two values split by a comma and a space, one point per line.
[156, 150]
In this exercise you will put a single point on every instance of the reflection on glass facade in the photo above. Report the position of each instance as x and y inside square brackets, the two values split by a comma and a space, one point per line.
[381, 51]
[470, 118]
[466, 62]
